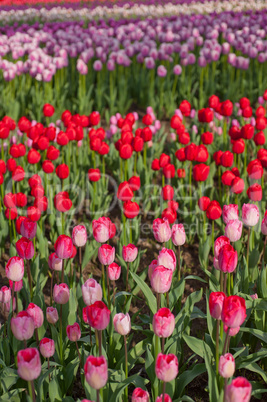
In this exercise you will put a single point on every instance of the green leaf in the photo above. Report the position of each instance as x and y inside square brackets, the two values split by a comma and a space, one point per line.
[197, 346]
[136, 380]
[150, 298]
[256, 332]
[188, 376]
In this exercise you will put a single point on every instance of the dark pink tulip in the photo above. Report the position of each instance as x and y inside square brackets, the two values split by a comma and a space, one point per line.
[219, 243]
[227, 259]
[74, 332]
[36, 313]
[129, 253]
[51, 315]
[140, 395]
[234, 311]
[96, 371]
[106, 254]
[22, 326]
[47, 347]
[238, 391]
[114, 271]
[166, 367]
[161, 279]
[98, 315]
[216, 300]
[163, 323]
[28, 228]
[29, 364]
[64, 247]
[54, 262]
[25, 248]
[61, 293]
[5, 294]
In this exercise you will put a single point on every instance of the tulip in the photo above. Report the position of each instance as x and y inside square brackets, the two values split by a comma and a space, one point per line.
[227, 365]
[106, 254]
[216, 300]
[227, 259]
[178, 234]
[122, 323]
[28, 228]
[96, 371]
[203, 203]
[91, 291]
[74, 332]
[161, 279]
[54, 262]
[250, 214]
[61, 293]
[37, 314]
[25, 248]
[103, 229]
[239, 390]
[166, 367]
[79, 236]
[98, 315]
[167, 259]
[47, 347]
[140, 395]
[51, 315]
[214, 210]
[5, 294]
[29, 364]
[63, 247]
[15, 269]
[22, 326]
[254, 192]
[114, 271]
[130, 209]
[230, 212]
[163, 323]
[233, 230]
[234, 311]
[129, 253]
[161, 230]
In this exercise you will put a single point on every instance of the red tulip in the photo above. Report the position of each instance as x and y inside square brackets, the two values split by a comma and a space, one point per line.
[201, 172]
[130, 209]
[48, 110]
[94, 175]
[214, 210]
[98, 315]
[216, 300]
[254, 192]
[234, 311]
[203, 203]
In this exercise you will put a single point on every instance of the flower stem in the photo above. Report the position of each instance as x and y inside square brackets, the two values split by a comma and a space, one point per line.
[51, 288]
[108, 287]
[126, 366]
[79, 355]
[29, 276]
[80, 261]
[12, 298]
[100, 341]
[163, 391]
[61, 335]
[217, 345]
[31, 390]
[162, 345]
[62, 272]
[97, 396]
[104, 282]
[248, 245]
[226, 341]
[127, 276]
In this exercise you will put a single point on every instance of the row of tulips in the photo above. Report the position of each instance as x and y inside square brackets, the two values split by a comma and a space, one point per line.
[57, 305]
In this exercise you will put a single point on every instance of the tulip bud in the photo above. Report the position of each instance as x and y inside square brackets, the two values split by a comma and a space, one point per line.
[178, 234]
[234, 311]
[51, 315]
[239, 390]
[36, 313]
[29, 364]
[230, 212]
[79, 236]
[129, 253]
[161, 230]
[233, 230]
[122, 323]
[219, 243]
[216, 300]
[22, 326]
[166, 367]
[250, 214]
[114, 271]
[25, 248]
[103, 229]
[64, 247]
[140, 395]
[106, 254]
[227, 259]
[227, 365]
[98, 315]
[28, 228]
[54, 262]
[167, 259]
[163, 323]
[91, 291]
[61, 293]
[5, 294]
[47, 347]
[167, 398]
[74, 332]
[264, 226]
[96, 371]
[161, 279]
[15, 269]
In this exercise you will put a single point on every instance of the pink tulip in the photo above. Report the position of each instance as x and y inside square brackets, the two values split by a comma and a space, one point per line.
[64, 247]
[28, 228]
[96, 371]
[25, 248]
[227, 365]
[216, 263]
[47, 347]
[163, 323]
[167, 259]
[264, 226]
[228, 259]
[17, 285]
[15, 269]
[74, 332]
[106, 254]
[230, 212]
[122, 323]
[22, 326]
[61, 293]
[238, 391]
[103, 229]
[166, 367]
[178, 234]
[234, 311]
[233, 230]
[161, 230]
[161, 279]
[232, 331]
[79, 236]
[140, 395]
[167, 398]
[54, 262]
[114, 271]
[98, 315]
[51, 315]
[5, 294]
[219, 243]
[36, 313]
[129, 253]
[29, 364]
[216, 300]
[254, 297]
[91, 291]
[250, 214]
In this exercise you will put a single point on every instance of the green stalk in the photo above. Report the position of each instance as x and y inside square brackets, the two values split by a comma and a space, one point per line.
[126, 366]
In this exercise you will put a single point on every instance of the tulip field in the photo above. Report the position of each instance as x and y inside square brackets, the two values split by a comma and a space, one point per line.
[133, 220]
